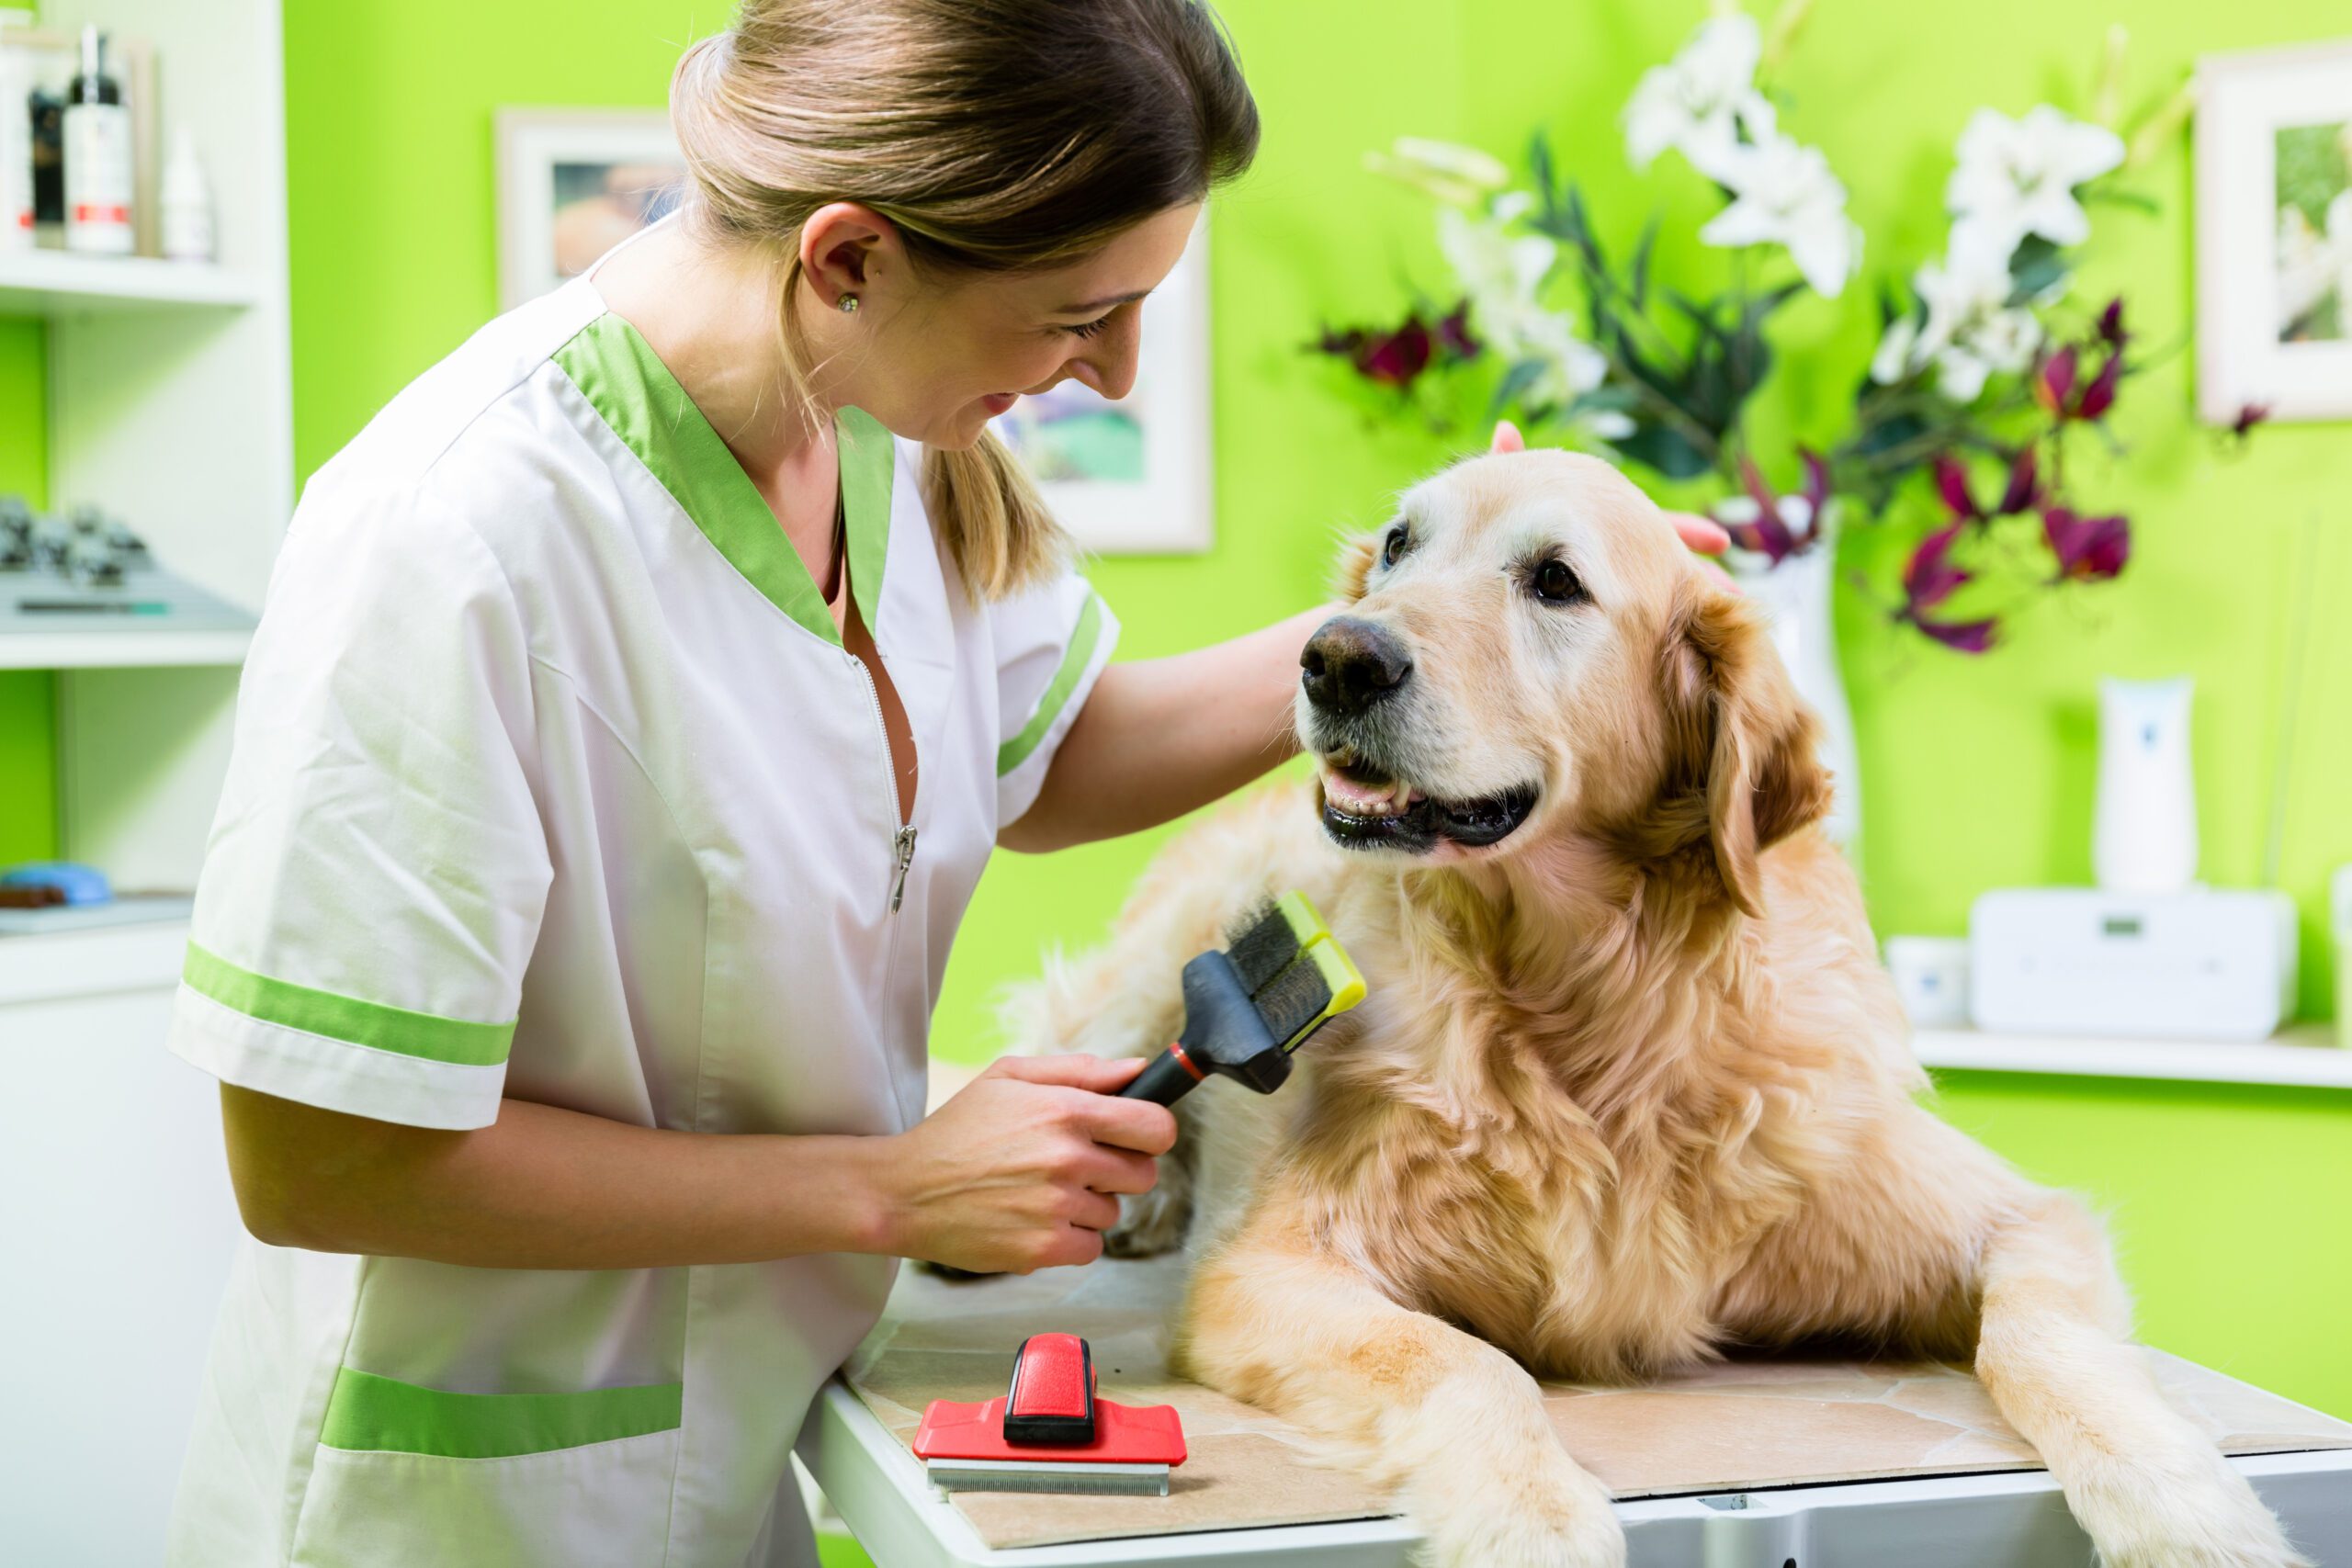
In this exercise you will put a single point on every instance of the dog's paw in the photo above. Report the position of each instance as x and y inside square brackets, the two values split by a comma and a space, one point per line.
[1554, 1516]
[1155, 1221]
[2188, 1511]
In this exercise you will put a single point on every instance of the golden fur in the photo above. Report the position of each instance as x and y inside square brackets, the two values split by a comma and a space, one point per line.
[1629, 1085]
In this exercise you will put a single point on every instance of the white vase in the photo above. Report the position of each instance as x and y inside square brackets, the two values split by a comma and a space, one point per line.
[1795, 598]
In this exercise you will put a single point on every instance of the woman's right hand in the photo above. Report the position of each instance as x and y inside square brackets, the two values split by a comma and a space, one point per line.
[1021, 1169]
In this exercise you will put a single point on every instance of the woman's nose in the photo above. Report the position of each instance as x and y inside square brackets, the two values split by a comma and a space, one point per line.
[1109, 363]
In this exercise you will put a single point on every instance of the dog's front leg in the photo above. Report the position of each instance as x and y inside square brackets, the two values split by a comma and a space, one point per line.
[1453, 1423]
[2151, 1490]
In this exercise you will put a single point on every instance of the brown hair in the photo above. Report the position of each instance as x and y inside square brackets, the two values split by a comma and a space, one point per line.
[997, 135]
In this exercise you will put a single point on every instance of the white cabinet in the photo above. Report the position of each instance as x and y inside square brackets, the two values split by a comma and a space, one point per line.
[119, 1226]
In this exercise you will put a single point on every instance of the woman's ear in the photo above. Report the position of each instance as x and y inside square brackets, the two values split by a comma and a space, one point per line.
[841, 243]
[1752, 745]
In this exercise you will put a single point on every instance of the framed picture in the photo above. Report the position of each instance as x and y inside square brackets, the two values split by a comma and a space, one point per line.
[572, 185]
[1132, 477]
[2274, 233]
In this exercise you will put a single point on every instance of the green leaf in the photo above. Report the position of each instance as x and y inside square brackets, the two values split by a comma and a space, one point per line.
[2035, 267]
[1514, 384]
[2115, 196]
[1641, 269]
[1702, 316]
[1665, 448]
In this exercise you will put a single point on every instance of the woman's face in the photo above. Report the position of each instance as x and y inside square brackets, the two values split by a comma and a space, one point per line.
[958, 354]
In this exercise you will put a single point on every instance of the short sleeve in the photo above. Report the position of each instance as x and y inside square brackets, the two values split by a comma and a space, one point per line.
[1052, 644]
[376, 874]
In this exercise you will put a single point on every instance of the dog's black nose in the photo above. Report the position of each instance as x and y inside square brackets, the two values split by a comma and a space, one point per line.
[1349, 664]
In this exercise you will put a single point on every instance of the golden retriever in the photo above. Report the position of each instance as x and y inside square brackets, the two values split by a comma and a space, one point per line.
[1629, 1085]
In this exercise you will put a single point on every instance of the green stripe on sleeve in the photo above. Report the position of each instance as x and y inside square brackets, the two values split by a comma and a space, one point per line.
[372, 1024]
[1075, 659]
[372, 1413]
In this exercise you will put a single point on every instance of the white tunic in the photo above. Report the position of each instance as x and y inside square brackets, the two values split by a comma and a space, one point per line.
[552, 779]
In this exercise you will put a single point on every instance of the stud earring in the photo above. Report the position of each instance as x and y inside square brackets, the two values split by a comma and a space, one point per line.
[849, 304]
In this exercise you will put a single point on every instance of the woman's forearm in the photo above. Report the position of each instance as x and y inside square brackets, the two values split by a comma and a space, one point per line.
[1161, 737]
[544, 1188]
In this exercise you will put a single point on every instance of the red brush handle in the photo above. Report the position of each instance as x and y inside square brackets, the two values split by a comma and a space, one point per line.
[1052, 1397]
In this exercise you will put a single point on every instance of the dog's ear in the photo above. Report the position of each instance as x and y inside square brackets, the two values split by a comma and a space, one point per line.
[1355, 563]
[1740, 735]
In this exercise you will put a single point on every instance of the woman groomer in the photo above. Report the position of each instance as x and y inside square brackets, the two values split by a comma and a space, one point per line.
[637, 700]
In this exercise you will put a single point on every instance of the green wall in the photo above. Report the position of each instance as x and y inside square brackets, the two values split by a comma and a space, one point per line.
[1975, 774]
[28, 760]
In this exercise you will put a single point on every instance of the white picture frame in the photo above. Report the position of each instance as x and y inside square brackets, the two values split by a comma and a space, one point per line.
[2274, 288]
[1132, 477]
[551, 223]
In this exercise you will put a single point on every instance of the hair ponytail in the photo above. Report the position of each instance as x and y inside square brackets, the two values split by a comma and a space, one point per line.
[997, 135]
[991, 518]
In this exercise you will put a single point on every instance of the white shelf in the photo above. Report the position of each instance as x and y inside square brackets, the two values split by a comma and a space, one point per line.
[120, 651]
[2305, 1055]
[58, 283]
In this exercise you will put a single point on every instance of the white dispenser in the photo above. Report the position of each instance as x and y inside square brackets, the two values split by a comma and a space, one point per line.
[2144, 836]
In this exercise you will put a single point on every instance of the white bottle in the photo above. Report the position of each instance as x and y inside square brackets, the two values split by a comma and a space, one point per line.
[2145, 837]
[16, 138]
[188, 235]
[98, 157]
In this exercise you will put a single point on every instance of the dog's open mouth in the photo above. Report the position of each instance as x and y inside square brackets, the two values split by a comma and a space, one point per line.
[1364, 809]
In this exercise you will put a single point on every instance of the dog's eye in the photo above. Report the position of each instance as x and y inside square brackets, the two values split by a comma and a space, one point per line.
[1391, 548]
[1556, 585]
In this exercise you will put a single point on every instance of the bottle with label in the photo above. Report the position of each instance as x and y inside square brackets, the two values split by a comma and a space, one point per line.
[188, 235]
[98, 157]
[15, 137]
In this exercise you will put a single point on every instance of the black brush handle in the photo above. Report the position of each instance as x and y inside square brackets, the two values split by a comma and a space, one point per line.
[1168, 1079]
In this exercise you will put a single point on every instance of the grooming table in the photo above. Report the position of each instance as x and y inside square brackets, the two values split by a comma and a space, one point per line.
[1822, 1462]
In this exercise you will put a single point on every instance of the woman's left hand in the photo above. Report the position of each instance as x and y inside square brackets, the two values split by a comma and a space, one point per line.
[1701, 535]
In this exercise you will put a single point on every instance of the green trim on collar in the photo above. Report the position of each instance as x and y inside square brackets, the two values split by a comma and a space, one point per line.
[635, 395]
[381, 1414]
[347, 1019]
[1075, 659]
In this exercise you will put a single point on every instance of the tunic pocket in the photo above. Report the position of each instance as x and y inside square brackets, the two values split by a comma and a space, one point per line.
[405, 1474]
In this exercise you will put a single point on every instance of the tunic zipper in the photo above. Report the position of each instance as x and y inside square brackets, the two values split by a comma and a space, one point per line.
[902, 841]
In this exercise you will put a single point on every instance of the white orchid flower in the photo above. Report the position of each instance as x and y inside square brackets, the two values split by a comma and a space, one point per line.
[1785, 194]
[1971, 330]
[1455, 174]
[2016, 177]
[1497, 268]
[1699, 102]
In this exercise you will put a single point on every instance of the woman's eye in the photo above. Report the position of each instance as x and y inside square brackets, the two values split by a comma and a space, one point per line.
[1556, 585]
[1089, 329]
[1393, 547]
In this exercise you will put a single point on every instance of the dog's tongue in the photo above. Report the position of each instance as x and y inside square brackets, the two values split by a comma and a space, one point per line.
[1360, 799]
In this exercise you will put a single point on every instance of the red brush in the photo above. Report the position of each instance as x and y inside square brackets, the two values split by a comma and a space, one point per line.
[1049, 1433]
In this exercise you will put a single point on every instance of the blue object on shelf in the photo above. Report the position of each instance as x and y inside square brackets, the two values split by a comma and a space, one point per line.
[80, 884]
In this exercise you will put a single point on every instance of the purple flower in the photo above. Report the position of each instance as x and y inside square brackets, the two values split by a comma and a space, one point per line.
[2019, 495]
[1783, 526]
[1929, 578]
[1395, 359]
[1453, 337]
[2249, 415]
[2099, 396]
[2053, 381]
[2090, 549]
[1961, 636]
[2110, 324]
